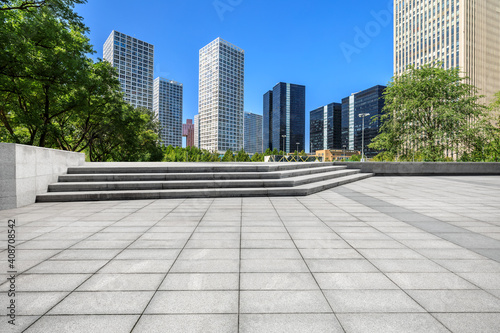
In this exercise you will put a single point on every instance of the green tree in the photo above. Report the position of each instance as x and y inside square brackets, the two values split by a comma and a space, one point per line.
[430, 112]
[242, 156]
[228, 156]
[268, 152]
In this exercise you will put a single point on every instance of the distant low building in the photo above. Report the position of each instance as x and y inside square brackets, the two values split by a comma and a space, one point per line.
[330, 155]
[188, 132]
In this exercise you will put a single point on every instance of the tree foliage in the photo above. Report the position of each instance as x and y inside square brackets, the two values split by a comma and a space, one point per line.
[430, 113]
[53, 95]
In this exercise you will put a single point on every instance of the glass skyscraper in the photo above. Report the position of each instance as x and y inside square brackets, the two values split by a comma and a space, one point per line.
[133, 60]
[220, 102]
[325, 127]
[287, 123]
[168, 107]
[253, 133]
[369, 101]
[267, 121]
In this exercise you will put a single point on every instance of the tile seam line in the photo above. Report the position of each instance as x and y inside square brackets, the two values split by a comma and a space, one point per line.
[307, 265]
[379, 270]
[173, 263]
[437, 234]
[108, 260]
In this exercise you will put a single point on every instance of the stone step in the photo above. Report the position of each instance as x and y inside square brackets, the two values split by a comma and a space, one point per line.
[129, 177]
[198, 184]
[301, 190]
[164, 167]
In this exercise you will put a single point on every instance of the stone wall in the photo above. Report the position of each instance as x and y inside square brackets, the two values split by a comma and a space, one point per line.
[424, 168]
[26, 171]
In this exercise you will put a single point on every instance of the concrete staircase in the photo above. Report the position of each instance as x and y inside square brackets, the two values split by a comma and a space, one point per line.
[128, 181]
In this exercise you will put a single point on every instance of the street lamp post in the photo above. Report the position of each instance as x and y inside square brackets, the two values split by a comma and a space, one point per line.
[284, 148]
[298, 143]
[363, 115]
[345, 157]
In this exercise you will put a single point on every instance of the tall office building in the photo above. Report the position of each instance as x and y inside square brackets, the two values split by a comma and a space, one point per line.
[220, 102]
[464, 33]
[133, 60]
[168, 107]
[188, 132]
[286, 120]
[196, 131]
[252, 133]
[369, 101]
[267, 121]
[325, 127]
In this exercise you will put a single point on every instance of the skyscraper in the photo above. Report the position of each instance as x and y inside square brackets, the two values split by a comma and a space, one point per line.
[267, 121]
[220, 101]
[464, 33]
[188, 132]
[325, 127]
[288, 117]
[133, 60]
[168, 107]
[196, 131]
[368, 101]
[252, 133]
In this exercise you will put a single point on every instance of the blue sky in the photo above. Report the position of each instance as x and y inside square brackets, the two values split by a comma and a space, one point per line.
[332, 47]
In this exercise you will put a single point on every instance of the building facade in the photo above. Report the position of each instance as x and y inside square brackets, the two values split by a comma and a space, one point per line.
[188, 132]
[134, 61]
[252, 133]
[368, 101]
[267, 121]
[285, 118]
[167, 106]
[196, 131]
[459, 33]
[221, 96]
[325, 127]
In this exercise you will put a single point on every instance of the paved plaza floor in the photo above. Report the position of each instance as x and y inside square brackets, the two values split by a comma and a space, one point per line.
[386, 254]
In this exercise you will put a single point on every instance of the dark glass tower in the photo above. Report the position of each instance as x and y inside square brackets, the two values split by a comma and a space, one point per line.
[369, 101]
[267, 121]
[288, 117]
[325, 126]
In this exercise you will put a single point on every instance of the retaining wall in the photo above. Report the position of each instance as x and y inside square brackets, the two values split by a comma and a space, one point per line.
[26, 171]
[425, 168]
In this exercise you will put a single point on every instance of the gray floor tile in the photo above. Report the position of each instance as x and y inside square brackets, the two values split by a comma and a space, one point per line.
[67, 267]
[290, 323]
[145, 254]
[205, 266]
[340, 266]
[47, 282]
[123, 282]
[136, 266]
[103, 303]
[183, 323]
[354, 281]
[390, 323]
[196, 281]
[37, 303]
[273, 301]
[270, 254]
[408, 266]
[200, 301]
[430, 281]
[456, 300]
[345, 301]
[84, 324]
[470, 322]
[330, 254]
[277, 281]
[273, 266]
[199, 254]
[471, 266]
